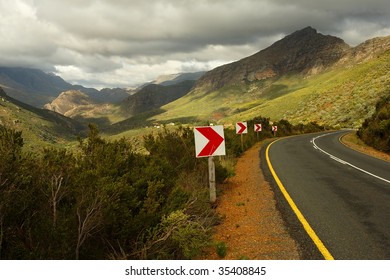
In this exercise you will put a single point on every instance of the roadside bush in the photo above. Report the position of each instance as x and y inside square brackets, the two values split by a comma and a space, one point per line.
[95, 203]
[176, 237]
[107, 201]
[221, 249]
[375, 131]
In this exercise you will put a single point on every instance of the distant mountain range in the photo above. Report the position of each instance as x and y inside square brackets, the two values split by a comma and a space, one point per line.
[79, 105]
[37, 88]
[73, 106]
[306, 76]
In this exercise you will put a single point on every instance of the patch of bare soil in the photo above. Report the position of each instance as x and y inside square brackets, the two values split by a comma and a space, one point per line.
[252, 227]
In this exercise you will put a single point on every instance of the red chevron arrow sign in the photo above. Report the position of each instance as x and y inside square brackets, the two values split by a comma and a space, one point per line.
[241, 127]
[209, 141]
[257, 127]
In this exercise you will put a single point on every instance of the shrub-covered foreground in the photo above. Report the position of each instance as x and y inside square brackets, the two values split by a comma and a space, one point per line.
[375, 130]
[105, 201]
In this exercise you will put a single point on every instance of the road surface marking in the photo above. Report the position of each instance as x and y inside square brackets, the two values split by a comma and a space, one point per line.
[317, 241]
[343, 161]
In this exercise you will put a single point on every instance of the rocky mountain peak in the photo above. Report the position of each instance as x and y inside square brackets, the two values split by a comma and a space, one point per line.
[295, 38]
[303, 52]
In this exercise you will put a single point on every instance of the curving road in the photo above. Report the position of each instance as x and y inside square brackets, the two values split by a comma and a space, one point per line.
[343, 195]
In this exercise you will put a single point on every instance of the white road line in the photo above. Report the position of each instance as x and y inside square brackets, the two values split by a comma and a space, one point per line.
[342, 161]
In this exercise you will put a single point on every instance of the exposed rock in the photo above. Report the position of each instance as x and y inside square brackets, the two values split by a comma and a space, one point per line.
[371, 48]
[303, 52]
[68, 101]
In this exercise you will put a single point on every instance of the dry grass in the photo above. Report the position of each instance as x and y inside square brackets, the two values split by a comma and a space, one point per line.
[352, 141]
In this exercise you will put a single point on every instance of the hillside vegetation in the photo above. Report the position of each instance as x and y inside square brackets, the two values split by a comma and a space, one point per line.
[375, 130]
[343, 96]
[40, 127]
[303, 77]
[103, 200]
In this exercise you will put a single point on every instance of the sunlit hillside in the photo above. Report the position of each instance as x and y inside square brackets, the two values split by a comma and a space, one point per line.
[342, 96]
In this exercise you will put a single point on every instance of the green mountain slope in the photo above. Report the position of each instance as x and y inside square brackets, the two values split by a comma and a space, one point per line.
[343, 96]
[337, 85]
[39, 127]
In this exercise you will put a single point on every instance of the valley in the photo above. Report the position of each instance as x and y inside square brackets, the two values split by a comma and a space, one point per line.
[302, 78]
[40, 128]
[148, 199]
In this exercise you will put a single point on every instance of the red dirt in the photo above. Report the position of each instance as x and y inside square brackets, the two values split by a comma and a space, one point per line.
[252, 227]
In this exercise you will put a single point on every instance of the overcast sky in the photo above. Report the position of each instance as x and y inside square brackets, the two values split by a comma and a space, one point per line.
[120, 43]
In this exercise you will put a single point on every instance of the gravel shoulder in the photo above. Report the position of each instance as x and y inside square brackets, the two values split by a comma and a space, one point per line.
[251, 227]
[257, 222]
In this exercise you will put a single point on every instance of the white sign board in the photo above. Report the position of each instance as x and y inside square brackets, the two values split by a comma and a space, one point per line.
[241, 128]
[209, 141]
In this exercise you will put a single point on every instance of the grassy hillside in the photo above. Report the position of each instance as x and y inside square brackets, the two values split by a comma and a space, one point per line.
[39, 127]
[343, 96]
[375, 130]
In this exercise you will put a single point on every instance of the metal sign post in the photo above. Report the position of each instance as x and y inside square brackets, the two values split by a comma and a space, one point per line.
[210, 142]
[274, 129]
[242, 128]
[213, 190]
[257, 129]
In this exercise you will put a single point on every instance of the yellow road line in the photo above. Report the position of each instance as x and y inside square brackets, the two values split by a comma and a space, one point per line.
[317, 241]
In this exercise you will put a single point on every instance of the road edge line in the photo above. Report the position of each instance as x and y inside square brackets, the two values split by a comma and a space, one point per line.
[309, 230]
[345, 162]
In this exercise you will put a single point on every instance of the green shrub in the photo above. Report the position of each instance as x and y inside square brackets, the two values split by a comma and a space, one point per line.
[375, 131]
[104, 200]
[221, 249]
[176, 237]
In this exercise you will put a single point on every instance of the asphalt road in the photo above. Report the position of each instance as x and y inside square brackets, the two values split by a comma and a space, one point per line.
[344, 195]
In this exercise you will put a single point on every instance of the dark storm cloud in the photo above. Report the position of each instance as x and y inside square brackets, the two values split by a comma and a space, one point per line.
[115, 40]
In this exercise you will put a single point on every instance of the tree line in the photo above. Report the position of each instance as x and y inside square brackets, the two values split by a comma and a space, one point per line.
[106, 201]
